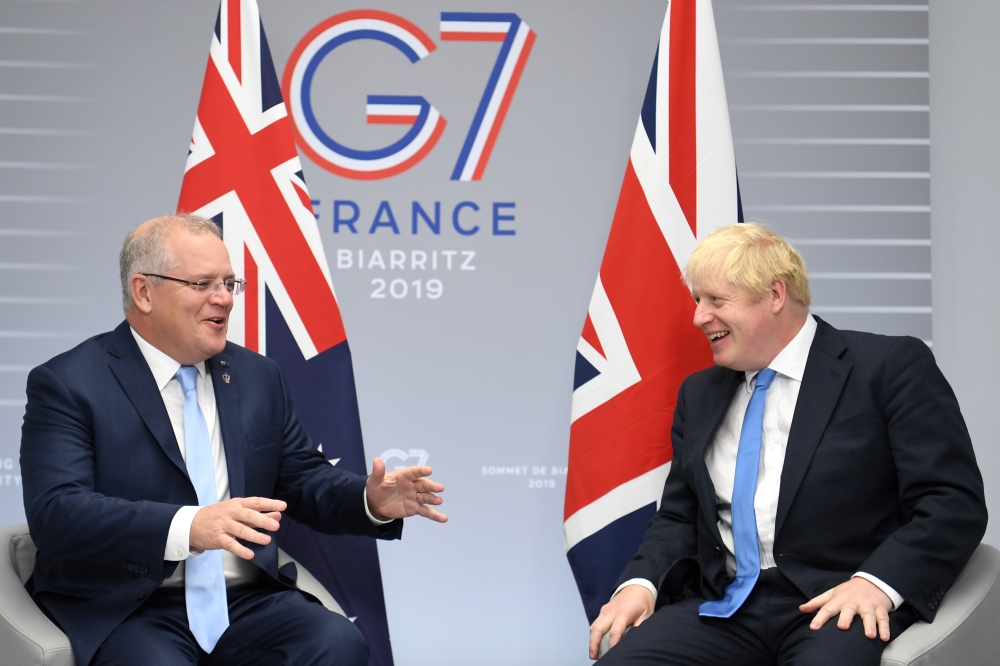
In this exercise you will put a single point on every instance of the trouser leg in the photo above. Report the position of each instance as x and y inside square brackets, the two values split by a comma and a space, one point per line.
[269, 626]
[676, 635]
[156, 634]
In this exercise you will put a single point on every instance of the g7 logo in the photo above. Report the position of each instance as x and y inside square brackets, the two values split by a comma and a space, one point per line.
[426, 123]
[420, 456]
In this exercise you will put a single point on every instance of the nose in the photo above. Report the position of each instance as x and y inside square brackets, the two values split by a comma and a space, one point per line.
[701, 314]
[222, 296]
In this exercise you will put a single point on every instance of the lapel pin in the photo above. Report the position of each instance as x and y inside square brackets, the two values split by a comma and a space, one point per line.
[224, 364]
[225, 377]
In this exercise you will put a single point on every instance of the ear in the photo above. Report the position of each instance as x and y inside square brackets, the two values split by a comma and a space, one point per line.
[778, 295]
[142, 295]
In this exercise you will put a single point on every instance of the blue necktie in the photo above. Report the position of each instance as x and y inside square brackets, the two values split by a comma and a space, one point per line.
[744, 516]
[204, 579]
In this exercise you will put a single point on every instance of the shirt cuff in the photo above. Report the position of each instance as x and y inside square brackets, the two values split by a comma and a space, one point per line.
[179, 535]
[369, 512]
[636, 581]
[893, 595]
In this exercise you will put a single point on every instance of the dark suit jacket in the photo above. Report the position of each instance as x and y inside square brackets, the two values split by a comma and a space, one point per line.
[879, 476]
[103, 476]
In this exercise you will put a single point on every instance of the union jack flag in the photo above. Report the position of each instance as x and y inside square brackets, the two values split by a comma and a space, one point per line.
[638, 341]
[243, 172]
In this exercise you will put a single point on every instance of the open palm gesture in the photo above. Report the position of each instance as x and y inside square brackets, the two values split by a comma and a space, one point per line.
[405, 492]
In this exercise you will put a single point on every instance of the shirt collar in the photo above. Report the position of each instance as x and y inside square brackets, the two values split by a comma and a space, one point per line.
[791, 361]
[163, 367]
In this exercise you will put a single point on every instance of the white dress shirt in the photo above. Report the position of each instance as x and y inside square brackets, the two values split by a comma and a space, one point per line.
[164, 369]
[720, 456]
[178, 549]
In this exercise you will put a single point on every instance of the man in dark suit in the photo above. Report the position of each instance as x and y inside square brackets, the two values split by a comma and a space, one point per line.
[155, 459]
[816, 473]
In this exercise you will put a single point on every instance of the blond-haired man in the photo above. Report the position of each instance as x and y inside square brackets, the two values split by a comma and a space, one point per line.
[817, 473]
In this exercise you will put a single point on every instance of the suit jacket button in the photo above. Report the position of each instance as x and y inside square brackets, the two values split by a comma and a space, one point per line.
[141, 597]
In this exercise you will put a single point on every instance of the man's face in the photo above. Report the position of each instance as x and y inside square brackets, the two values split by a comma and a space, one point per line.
[741, 330]
[191, 325]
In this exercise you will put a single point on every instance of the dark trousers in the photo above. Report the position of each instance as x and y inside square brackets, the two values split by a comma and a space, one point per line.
[266, 626]
[768, 630]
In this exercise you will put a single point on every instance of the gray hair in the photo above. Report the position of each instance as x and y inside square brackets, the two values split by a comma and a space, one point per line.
[145, 248]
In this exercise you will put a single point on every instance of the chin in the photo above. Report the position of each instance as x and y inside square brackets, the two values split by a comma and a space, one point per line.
[720, 359]
[732, 364]
[214, 347]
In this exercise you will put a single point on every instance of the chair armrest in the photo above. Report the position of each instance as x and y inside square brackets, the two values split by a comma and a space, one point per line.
[604, 646]
[26, 634]
[964, 630]
[606, 642]
[306, 582]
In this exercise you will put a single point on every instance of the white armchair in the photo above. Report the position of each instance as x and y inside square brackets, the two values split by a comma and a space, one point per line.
[29, 638]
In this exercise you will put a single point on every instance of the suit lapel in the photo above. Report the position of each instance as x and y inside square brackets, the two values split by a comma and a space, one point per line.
[822, 383]
[723, 386]
[136, 379]
[225, 381]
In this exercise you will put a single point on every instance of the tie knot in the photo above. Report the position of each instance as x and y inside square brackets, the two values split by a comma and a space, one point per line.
[186, 375]
[764, 378]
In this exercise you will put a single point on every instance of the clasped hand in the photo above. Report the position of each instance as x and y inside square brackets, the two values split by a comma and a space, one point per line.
[218, 526]
[405, 492]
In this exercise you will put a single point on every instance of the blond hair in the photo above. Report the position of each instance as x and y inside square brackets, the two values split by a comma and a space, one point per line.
[749, 256]
[145, 248]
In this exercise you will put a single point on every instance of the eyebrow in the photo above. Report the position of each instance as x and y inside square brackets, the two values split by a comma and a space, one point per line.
[229, 276]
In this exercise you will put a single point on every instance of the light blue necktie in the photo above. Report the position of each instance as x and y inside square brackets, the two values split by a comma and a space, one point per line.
[744, 516]
[204, 579]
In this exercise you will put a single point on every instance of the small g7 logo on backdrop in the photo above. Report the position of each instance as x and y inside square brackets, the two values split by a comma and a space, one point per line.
[405, 458]
[425, 122]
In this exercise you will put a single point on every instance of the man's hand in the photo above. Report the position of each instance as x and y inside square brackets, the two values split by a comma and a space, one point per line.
[403, 493]
[855, 597]
[219, 525]
[629, 607]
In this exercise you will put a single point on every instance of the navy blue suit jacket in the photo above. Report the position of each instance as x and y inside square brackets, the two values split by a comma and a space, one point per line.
[103, 476]
[879, 476]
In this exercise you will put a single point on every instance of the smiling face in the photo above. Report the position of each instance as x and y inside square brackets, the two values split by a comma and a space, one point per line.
[745, 332]
[187, 325]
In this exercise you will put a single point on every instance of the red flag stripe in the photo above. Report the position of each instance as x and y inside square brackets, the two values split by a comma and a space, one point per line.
[683, 138]
[590, 335]
[233, 35]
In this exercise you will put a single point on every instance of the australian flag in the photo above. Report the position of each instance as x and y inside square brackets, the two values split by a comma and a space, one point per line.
[243, 172]
[638, 342]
